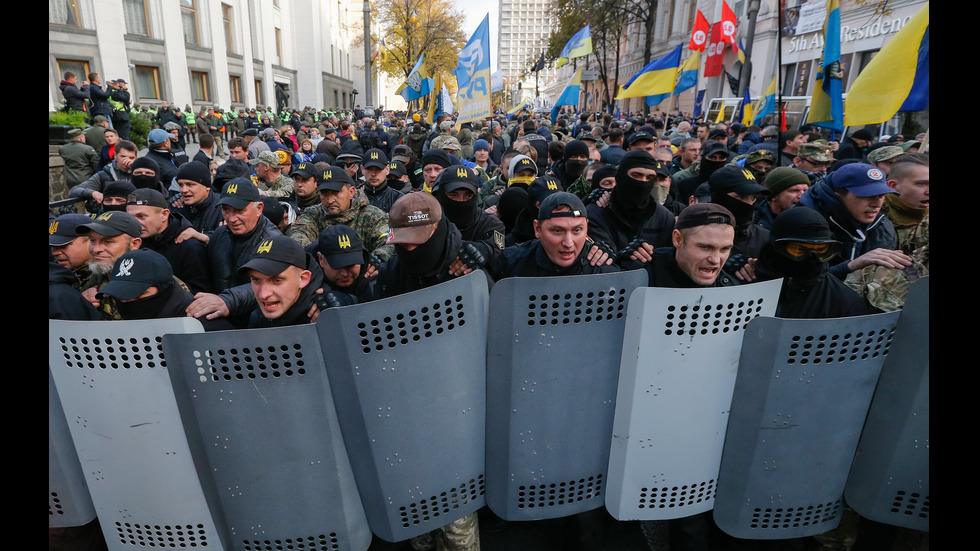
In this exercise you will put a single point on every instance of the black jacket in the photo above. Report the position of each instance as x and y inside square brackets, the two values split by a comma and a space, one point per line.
[170, 302]
[100, 100]
[530, 260]
[74, 97]
[607, 224]
[816, 296]
[168, 170]
[227, 253]
[382, 196]
[189, 258]
[664, 272]
[65, 302]
[205, 217]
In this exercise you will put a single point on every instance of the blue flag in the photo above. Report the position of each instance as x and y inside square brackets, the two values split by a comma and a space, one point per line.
[569, 96]
[417, 85]
[699, 103]
[827, 104]
[578, 46]
[473, 75]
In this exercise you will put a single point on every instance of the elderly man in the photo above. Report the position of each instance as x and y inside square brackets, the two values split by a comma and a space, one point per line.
[269, 179]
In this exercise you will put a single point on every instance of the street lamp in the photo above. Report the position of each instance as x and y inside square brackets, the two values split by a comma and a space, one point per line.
[353, 101]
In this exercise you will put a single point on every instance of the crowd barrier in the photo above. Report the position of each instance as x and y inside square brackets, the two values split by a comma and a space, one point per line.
[540, 398]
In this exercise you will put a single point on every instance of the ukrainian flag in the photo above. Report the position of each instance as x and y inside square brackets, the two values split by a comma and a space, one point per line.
[417, 85]
[827, 104]
[569, 96]
[687, 76]
[897, 79]
[578, 46]
[657, 77]
[766, 104]
[524, 104]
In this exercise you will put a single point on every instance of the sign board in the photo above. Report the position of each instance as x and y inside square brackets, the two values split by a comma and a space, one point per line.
[590, 74]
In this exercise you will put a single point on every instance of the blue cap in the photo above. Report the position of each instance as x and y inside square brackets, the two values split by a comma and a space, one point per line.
[481, 144]
[861, 179]
[157, 136]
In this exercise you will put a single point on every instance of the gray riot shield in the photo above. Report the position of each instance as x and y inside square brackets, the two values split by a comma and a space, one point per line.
[552, 367]
[408, 376]
[679, 361]
[112, 379]
[68, 501]
[262, 427]
[889, 479]
[802, 394]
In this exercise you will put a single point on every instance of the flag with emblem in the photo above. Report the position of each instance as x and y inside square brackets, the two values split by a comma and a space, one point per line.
[579, 45]
[699, 37]
[417, 85]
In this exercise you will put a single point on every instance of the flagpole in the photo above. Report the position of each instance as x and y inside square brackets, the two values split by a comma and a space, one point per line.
[779, 67]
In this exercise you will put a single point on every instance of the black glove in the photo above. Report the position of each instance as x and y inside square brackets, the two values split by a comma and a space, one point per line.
[603, 246]
[374, 261]
[68, 209]
[594, 196]
[735, 263]
[471, 256]
[634, 246]
[332, 299]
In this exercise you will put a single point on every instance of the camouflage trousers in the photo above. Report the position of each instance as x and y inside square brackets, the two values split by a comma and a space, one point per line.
[459, 535]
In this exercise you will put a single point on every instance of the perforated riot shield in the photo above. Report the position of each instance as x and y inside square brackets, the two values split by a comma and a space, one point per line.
[553, 359]
[889, 479]
[679, 361]
[802, 394]
[408, 376]
[68, 501]
[262, 427]
[116, 394]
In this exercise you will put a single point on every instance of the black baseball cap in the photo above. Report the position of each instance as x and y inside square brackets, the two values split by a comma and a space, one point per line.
[542, 186]
[711, 147]
[148, 197]
[737, 179]
[341, 246]
[701, 214]
[135, 272]
[642, 136]
[717, 133]
[111, 224]
[250, 131]
[306, 170]
[239, 192]
[457, 176]
[275, 254]
[556, 199]
[333, 178]
[61, 231]
[397, 170]
[375, 158]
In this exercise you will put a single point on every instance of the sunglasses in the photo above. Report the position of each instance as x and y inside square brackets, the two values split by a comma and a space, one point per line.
[798, 250]
[350, 163]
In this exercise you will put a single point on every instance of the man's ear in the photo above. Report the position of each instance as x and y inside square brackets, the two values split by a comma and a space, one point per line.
[304, 278]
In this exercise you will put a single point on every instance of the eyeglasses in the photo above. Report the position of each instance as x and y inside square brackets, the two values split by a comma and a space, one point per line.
[815, 163]
[798, 250]
[349, 164]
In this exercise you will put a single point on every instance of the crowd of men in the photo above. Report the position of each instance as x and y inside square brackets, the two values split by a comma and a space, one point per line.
[281, 216]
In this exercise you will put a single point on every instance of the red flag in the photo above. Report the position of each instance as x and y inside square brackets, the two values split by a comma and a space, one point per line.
[728, 24]
[699, 38]
[716, 52]
[782, 119]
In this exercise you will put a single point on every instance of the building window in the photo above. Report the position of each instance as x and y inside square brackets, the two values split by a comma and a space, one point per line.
[147, 82]
[199, 86]
[64, 12]
[80, 68]
[188, 15]
[134, 11]
[258, 92]
[226, 22]
[235, 83]
[336, 99]
[278, 46]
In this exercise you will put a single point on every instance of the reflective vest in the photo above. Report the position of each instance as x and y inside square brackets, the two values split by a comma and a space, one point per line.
[189, 117]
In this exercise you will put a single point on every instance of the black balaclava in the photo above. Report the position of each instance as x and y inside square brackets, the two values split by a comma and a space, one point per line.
[146, 308]
[460, 213]
[425, 258]
[511, 203]
[743, 211]
[575, 168]
[117, 188]
[803, 224]
[601, 173]
[630, 196]
[707, 167]
[144, 181]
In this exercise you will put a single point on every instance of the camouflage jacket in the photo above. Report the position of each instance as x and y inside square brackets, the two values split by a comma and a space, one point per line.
[580, 187]
[282, 186]
[370, 223]
[885, 289]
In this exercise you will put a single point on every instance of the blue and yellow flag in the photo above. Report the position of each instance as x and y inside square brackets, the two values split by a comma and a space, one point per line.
[687, 76]
[473, 76]
[578, 46]
[657, 77]
[417, 85]
[526, 104]
[766, 105]
[827, 104]
[745, 109]
[897, 79]
[569, 96]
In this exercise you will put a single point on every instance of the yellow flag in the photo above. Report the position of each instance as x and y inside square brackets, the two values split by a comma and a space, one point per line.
[721, 113]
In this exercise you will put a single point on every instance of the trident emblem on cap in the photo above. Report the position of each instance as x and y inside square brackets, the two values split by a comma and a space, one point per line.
[53, 228]
[374, 154]
[552, 184]
[105, 216]
[265, 246]
[748, 174]
[462, 173]
[327, 174]
[344, 241]
[233, 188]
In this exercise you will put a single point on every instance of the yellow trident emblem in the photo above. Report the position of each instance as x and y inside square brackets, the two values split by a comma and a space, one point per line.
[748, 174]
[53, 228]
[105, 216]
[233, 188]
[552, 184]
[525, 161]
[265, 246]
[462, 173]
[374, 154]
[327, 174]
[344, 241]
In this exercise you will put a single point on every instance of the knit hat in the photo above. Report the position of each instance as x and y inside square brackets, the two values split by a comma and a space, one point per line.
[146, 162]
[782, 178]
[575, 148]
[118, 188]
[435, 156]
[481, 144]
[196, 172]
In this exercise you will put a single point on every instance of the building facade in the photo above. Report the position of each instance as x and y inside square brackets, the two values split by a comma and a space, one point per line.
[222, 53]
[524, 29]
